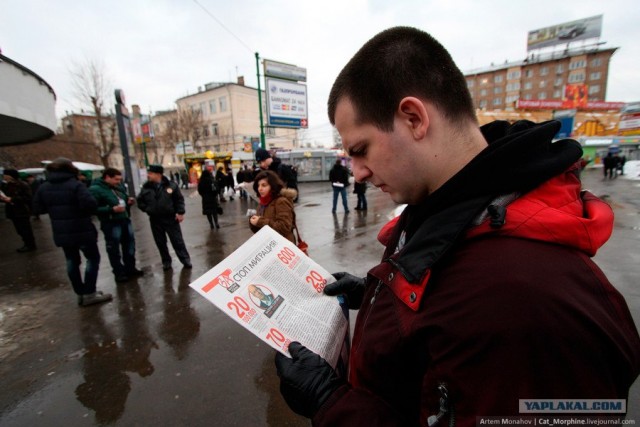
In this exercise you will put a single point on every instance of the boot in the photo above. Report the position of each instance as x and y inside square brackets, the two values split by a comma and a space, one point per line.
[94, 298]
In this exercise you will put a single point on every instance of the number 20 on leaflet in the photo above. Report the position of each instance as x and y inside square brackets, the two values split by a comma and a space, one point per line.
[316, 280]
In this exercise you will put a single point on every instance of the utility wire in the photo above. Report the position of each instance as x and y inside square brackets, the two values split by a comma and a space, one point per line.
[223, 26]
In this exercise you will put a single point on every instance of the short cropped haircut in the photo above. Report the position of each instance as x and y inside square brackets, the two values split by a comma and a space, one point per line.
[110, 172]
[272, 178]
[396, 63]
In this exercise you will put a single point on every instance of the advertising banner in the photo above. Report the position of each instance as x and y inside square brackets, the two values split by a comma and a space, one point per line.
[286, 104]
[564, 33]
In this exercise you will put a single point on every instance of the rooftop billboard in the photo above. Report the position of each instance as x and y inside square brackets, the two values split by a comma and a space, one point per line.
[565, 33]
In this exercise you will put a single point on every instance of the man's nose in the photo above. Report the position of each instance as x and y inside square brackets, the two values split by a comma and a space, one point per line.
[360, 172]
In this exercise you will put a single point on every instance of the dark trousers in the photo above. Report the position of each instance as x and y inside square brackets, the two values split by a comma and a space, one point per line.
[24, 230]
[92, 254]
[119, 234]
[362, 201]
[161, 227]
[342, 191]
[213, 219]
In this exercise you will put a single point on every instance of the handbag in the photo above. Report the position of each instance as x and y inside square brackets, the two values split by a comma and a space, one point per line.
[219, 209]
[301, 244]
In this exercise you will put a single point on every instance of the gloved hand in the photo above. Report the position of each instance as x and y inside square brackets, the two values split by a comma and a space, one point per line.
[306, 380]
[350, 286]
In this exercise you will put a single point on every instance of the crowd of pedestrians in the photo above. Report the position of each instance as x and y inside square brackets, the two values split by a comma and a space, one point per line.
[71, 199]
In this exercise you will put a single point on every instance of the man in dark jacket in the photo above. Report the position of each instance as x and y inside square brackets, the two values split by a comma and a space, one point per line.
[16, 194]
[70, 206]
[339, 178]
[286, 173]
[162, 200]
[486, 296]
[114, 213]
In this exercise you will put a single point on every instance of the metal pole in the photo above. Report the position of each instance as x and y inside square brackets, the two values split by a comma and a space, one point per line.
[144, 150]
[262, 141]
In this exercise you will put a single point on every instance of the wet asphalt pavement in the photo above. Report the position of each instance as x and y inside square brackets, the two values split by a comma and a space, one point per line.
[160, 354]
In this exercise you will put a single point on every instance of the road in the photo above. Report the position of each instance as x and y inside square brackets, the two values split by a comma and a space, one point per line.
[160, 354]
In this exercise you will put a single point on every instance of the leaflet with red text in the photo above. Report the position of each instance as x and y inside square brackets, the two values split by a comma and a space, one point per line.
[275, 291]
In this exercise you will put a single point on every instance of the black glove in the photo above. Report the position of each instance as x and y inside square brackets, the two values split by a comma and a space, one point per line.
[350, 286]
[306, 380]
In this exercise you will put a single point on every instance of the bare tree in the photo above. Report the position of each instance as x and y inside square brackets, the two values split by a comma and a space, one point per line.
[91, 88]
[190, 125]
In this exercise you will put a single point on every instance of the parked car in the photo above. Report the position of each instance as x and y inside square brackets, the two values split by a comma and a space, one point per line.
[572, 32]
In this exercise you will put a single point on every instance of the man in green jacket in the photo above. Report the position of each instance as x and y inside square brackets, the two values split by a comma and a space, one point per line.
[113, 212]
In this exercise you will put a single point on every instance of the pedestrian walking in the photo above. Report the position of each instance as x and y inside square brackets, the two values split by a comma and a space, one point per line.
[492, 252]
[276, 205]
[34, 184]
[242, 179]
[115, 221]
[339, 178]
[230, 184]
[287, 173]
[17, 196]
[208, 190]
[221, 182]
[70, 207]
[184, 177]
[163, 202]
[360, 188]
[609, 164]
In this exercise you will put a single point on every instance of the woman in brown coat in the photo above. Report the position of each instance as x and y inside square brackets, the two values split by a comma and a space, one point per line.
[276, 205]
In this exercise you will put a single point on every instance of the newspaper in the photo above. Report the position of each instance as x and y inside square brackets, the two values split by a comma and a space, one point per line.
[275, 291]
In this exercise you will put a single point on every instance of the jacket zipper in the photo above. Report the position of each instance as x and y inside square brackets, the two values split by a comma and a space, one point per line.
[371, 302]
[445, 407]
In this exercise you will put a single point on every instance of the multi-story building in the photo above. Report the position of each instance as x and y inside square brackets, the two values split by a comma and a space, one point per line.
[540, 77]
[229, 119]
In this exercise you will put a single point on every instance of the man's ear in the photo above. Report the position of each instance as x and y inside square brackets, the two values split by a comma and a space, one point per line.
[413, 112]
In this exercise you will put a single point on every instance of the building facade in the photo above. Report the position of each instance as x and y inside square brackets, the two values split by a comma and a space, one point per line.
[229, 119]
[540, 77]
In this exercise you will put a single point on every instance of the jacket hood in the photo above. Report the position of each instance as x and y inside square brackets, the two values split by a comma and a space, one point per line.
[60, 175]
[289, 193]
[519, 158]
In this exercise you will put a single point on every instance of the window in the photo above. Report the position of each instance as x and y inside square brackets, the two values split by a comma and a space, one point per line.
[214, 130]
[558, 82]
[212, 106]
[203, 107]
[484, 81]
[483, 103]
[511, 99]
[559, 68]
[269, 131]
[497, 89]
[527, 96]
[205, 131]
[497, 101]
[577, 64]
[483, 92]
[528, 85]
[528, 73]
[544, 71]
[497, 78]
[513, 75]
[557, 93]
[576, 78]
[469, 83]
[542, 84]
[594, 89]
[223, 103]
[513, 86]
[542, 95]
[596, 62]
[595, 76]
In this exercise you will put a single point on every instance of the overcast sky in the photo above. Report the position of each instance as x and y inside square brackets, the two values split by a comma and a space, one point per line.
[160, 50]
